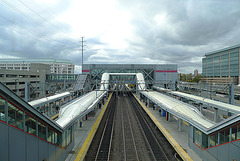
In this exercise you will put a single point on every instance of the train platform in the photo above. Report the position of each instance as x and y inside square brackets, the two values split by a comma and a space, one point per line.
[180, 136]
[171, 129]
[84, 135]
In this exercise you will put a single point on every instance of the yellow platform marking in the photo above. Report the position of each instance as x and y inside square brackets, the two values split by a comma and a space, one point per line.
[168, 131]
[186, 123]
[77, 150]
[83, 151]
[165, 132]
[54, 117]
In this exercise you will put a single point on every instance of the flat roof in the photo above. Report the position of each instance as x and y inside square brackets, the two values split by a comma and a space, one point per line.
[35, 60]
[222, 50]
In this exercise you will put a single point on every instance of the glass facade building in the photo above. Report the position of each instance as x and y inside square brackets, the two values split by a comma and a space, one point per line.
[221, 64]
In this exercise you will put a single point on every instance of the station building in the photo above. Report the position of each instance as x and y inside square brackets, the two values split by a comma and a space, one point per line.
[164, 75]
[57, 66]
[222, 66]
[28, 135]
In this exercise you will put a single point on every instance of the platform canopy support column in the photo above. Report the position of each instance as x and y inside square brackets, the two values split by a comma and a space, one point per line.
[169, 116]
[180, 122]
[201, 108]
[215, 114]
[148, 102]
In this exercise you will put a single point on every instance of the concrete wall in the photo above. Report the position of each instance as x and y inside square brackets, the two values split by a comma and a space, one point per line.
[166, 76]
[18, 145]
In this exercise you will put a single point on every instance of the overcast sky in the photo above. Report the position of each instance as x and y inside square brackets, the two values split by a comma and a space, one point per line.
[119, 31]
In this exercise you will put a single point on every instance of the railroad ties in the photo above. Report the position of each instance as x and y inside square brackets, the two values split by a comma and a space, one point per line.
[127, 133]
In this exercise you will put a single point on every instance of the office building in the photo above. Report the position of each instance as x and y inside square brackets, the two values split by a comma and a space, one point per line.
[57, 66]
[222, 66]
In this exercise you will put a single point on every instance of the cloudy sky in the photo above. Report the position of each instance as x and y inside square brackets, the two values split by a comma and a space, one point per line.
[119, 31]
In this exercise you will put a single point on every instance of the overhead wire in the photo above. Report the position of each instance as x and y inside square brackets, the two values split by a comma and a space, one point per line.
[28, 35]
[40, 16]
[31, 31]
[25, 15]
[42, 38]
[52, 12]
[29, 17]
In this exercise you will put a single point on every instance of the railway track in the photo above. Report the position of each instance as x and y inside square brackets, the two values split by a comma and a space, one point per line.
[99, 148]
[128, 134]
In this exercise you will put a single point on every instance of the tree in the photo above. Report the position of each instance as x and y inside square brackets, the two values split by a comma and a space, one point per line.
[197, 78]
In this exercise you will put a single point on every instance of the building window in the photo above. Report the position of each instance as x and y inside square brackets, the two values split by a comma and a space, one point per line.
[10, 83]
[11, 75]
[197, 137]
[236, 132]
[23, 76]
[214, 140]
[224, 136]
[30, 123]
[67, 138]
[42, 130]
[204, 141]
[53, 137]
[15, 116]
[50, 137]
[2, 109]
[224, 64]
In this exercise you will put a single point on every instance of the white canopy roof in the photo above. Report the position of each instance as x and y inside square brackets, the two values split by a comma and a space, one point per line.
[75, 109]
[45, 100]
[178, 108]
[214, 103]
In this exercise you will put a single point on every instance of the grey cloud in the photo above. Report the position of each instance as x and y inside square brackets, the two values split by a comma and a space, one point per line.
[191, 29]
[32, 36]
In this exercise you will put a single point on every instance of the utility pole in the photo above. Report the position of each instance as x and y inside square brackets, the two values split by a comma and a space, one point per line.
[82, 51]
[82, 47]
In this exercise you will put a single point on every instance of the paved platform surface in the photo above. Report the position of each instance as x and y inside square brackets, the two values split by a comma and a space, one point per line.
[81, 133]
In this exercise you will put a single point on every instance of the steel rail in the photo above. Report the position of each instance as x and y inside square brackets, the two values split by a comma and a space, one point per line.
[148, 130]
[104, 145]
[143, 134]
[131, 131]
[124, 144]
